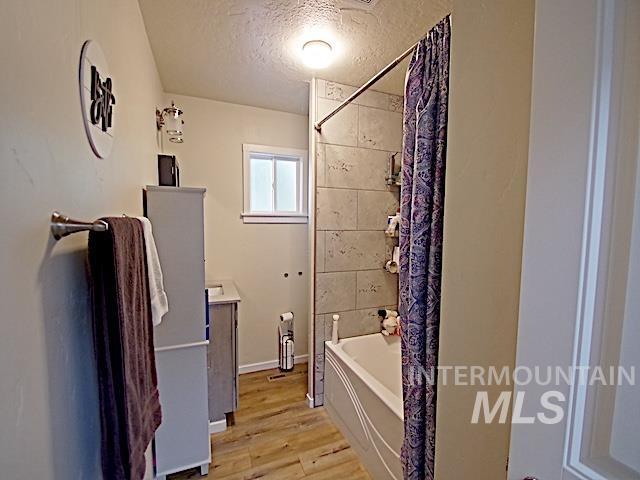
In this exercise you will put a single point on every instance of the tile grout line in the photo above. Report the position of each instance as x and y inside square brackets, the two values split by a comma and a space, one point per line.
[342, 145]
[371, 190]
[356, 230]
[361, 270]
[360, 104]
[357, 210]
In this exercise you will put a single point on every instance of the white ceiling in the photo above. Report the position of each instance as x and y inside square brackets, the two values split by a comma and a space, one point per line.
[247, 51]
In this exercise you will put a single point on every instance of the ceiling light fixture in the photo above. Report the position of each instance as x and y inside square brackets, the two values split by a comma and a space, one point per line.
[317, 54]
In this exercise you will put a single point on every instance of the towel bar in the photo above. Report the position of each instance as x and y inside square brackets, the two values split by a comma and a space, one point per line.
[61, 225]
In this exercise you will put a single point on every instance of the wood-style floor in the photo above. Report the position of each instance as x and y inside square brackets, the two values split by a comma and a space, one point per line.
[277, 436]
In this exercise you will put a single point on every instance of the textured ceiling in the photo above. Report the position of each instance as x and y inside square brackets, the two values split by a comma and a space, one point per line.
[248, 51]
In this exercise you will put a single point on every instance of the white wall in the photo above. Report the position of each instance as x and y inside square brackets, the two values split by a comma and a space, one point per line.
[581, 245]
[255, 256]
[489, 107]
[49, 400]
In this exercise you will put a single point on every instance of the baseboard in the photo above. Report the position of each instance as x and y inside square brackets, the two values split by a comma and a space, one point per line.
[218, 426]
[310, 401]
[257, 367]
[204, 465]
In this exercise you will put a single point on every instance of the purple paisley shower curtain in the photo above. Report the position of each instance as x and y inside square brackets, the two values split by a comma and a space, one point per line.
[422, 203]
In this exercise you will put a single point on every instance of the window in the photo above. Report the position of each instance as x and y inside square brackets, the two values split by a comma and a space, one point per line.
[275, 185]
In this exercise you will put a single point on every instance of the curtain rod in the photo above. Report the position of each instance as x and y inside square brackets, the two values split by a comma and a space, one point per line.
[366, 86]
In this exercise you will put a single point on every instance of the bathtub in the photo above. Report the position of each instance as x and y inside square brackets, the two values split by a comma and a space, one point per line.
[363, 396]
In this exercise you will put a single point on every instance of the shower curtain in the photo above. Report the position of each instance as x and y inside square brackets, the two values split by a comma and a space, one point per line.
[422, 203]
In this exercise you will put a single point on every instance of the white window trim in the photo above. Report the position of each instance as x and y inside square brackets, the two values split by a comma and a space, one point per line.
[302, 215]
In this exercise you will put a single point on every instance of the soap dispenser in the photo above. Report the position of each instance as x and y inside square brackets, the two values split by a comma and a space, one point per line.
[334, 330]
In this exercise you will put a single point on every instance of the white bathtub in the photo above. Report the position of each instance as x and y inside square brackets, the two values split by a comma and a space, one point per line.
[363, 396]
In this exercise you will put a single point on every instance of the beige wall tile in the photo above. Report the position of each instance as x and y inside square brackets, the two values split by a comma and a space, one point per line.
[353, 250]
[318, 366]
[341, 129]
[336, 209]
[361, 168]
[339, 91]
[390, 244]
[370, 98]
[326, 326]
[320, 334]
[374, 207]
[354, 323]
[374, 99]
[379, 129]
[335, 292]
[376, 288]
[396, 103]
[321, 165]
[320, 249]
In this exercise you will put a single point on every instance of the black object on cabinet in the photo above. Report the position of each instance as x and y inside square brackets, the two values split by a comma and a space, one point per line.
[168, 171]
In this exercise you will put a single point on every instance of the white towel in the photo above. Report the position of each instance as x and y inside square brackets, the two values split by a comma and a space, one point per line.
[159, 301]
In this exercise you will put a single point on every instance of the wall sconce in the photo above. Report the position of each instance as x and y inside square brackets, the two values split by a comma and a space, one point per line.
[169, 118]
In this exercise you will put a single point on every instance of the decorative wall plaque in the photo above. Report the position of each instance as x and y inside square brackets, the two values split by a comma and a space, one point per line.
[97, 98]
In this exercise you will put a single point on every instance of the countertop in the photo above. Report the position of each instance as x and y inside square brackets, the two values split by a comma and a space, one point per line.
[230, 294]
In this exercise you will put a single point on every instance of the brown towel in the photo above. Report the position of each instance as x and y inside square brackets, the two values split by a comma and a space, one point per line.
[128, 387]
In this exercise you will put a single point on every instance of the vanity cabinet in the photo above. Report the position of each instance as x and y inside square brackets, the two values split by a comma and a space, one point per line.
[222, 370]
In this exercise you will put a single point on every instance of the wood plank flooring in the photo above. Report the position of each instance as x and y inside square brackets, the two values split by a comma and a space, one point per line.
[277, 436]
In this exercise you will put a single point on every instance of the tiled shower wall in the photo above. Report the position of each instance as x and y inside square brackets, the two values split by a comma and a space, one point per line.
[353, 201]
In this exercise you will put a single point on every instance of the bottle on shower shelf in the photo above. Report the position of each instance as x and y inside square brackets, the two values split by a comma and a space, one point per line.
[393, 225]
[393, 177]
